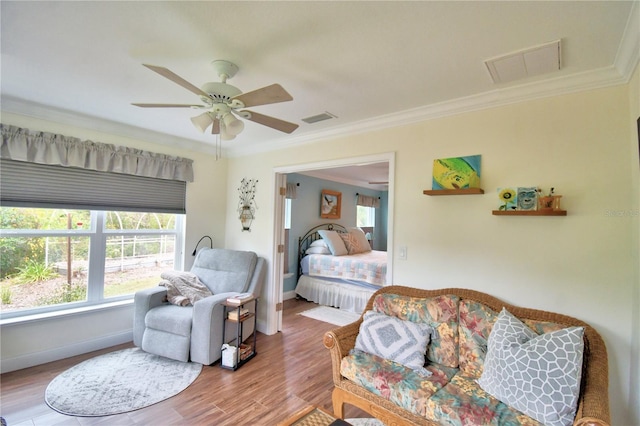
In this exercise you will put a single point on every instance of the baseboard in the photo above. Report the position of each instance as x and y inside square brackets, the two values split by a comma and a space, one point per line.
[289, 295]
[37, 358]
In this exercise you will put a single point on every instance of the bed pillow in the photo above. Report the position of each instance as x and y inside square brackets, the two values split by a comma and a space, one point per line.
[538, 375]
[318, 250]
[355, 241]
[319, 243]
[333, 240]
[404, 342]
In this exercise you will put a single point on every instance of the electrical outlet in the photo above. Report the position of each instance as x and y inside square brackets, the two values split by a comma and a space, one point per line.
[402, 253]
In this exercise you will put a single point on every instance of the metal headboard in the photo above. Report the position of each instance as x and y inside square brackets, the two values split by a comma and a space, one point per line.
[312, 235]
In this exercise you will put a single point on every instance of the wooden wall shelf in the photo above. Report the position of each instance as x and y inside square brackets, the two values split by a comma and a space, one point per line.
[467, 191]
[529, 213]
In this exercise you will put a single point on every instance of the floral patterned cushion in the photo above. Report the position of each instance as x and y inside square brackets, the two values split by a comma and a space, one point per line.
[476, 321]
[463, 402]
[440, 312]
[395, 382]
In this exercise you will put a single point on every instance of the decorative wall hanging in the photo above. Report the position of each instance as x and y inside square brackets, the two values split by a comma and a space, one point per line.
[456, 173]
[247, 204]
[528, 201]
[330, 204]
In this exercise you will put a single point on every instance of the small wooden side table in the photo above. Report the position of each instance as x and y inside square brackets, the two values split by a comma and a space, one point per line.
[240, 357]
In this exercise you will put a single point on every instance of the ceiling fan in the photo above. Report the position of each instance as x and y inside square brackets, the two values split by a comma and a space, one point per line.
[224, 103]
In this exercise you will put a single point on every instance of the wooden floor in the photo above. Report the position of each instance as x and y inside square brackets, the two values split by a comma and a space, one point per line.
[291, 371]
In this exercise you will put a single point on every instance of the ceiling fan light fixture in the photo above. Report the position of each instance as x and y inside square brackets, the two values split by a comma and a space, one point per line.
[232, 125]
[220, 90]
[222, 102]
[202, 121]
[226, 136]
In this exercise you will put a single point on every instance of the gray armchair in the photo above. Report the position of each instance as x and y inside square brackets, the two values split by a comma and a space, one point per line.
[195, 332]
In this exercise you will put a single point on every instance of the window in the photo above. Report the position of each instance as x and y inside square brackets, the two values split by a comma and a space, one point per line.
[54, 259]
[287, 213]
[366, 216]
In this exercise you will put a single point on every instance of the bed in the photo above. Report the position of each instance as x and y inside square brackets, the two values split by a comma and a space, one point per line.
[344, 281]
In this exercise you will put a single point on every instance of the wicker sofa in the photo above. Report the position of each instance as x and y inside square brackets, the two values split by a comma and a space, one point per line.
[375, 384]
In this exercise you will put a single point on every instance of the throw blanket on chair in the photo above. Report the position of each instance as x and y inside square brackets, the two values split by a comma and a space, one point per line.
[183, 288]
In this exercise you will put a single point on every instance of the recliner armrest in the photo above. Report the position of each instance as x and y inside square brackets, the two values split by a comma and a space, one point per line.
[206, 331]
[258, 278]
[143, 301]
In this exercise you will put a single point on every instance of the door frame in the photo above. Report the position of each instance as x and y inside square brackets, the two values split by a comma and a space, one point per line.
[274, 317]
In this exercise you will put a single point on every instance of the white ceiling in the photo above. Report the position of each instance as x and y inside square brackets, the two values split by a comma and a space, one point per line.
[371, 64]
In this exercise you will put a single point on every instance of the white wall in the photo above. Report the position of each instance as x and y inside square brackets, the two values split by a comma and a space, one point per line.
[581, 265]
[32, 343]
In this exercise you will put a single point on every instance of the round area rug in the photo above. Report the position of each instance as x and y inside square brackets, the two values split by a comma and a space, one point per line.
[118, 382]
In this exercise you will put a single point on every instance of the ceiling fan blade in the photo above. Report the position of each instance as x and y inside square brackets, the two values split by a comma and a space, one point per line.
[177, 79]
[274, 123]
[267, 95]
[215, 129]
[166, 106]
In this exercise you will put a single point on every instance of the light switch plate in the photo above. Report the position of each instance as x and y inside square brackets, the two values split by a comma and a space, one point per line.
[402, 253]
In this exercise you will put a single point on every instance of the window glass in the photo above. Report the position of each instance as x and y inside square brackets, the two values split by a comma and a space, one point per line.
[138, 220]
[287, 213]
[50, 258]
[45, 219]
[134, 262]
[366, 216]
[43, 271]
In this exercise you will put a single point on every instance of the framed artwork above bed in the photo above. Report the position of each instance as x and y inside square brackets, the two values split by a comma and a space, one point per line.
[330, 204]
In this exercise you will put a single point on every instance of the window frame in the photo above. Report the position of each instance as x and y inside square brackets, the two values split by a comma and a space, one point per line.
[371, 215]
[98, 235]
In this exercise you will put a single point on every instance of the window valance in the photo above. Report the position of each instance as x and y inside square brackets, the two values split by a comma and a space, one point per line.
[51, 149]
[367, 201]
[292, 190]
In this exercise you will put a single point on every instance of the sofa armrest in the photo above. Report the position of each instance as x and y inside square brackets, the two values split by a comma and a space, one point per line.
[340, 341]
[593, 405]
[143, 302]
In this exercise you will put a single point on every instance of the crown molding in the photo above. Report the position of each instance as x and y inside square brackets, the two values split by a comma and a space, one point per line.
[19, 106]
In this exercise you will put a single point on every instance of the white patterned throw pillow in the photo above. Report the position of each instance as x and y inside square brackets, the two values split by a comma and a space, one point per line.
[404, 342]
[334, 242]
[538, 375]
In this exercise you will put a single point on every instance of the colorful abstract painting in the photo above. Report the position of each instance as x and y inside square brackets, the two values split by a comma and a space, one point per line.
[508, 198]
[456, 172]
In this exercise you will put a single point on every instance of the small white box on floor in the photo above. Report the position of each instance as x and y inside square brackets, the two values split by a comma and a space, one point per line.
[229, 355]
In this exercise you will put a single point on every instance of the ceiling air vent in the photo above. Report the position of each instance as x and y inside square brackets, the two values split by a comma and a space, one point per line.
[320, 117]
[525, 63]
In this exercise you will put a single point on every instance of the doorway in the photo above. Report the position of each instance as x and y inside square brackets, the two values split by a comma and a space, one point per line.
[274, 316]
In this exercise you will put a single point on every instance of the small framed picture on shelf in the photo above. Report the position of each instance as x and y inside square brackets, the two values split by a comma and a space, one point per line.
[527, 199]
[330, 204]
